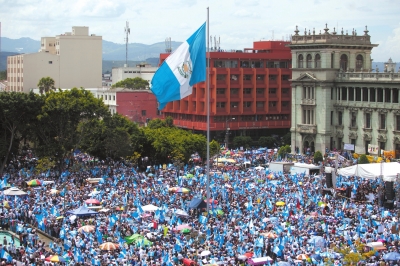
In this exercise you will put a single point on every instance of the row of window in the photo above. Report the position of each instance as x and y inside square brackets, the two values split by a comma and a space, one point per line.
[248, 104]
[248, 77]
[315, 62]
[367, 120]
[106, 97]
[224, 119]
[387, 95]
[251, 64]
[259, 91]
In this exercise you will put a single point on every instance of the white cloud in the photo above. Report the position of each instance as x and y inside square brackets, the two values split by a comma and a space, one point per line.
[238, 22]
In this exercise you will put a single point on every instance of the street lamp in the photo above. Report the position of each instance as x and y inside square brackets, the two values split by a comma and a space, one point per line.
[227, 131]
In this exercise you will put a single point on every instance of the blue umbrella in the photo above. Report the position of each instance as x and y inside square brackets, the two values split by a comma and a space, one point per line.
[392, 256]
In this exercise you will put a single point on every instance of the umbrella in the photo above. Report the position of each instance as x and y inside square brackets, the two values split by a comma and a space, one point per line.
[392, 256]
[104, 210]
[133, 238]
[54, 191]
[270, 176]
[34, 182]
[179, 190]
[55, 258]
[150, 208]
[60, 217]
[92, 201]
[249, 254]
[185, 231]
[316, 257]
[283, 263]
[280, 203]
[109, 246]
[14, 192]
[86, 228]
[189, 175]
[303, 257]
[205, 253]
[181, 213]
[182, 226]
[217, 212]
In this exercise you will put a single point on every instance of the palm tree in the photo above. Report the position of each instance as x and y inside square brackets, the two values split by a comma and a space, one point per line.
[46, 84]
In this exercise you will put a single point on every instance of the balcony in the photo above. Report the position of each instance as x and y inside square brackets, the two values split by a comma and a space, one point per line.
[307, 129]
[308, 101]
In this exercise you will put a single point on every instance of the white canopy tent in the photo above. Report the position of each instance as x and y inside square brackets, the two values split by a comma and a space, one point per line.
[388, 171]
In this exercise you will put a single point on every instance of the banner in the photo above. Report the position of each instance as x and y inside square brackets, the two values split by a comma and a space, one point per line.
[348, 147]
[373, 149]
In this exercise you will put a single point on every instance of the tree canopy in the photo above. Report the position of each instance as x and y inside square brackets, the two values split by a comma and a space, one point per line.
[45, 85]
[132, 83]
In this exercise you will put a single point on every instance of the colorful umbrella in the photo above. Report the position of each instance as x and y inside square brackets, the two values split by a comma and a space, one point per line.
[270, 176]
[179, 190]
[182, 226]
[133, 238]
[34, 182]
[55, 258]
[303, 257]
[86, 228]
[185, 231]
[280, 203]
[92, 201]
[109, 246]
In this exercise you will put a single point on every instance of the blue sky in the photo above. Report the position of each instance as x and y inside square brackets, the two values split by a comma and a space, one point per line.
[237, 23]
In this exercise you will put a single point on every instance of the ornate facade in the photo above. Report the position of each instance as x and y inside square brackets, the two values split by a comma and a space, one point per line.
[338, 98]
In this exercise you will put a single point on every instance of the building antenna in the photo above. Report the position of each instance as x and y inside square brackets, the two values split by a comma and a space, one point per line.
[168, 46]
[127, 32]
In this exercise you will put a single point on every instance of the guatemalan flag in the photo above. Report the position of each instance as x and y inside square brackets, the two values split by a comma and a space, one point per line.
[181, 70]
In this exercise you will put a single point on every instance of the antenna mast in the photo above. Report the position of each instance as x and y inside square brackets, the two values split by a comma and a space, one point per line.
[127, 32]
[168, 46]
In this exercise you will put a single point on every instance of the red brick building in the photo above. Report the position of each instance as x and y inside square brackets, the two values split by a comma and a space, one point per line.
[250, 93]
[137, 105]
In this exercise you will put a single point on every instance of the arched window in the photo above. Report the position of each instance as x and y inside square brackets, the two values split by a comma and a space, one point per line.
[359, 62]
[343, 62]
[309, 61]
[317, 61]
[300, 62]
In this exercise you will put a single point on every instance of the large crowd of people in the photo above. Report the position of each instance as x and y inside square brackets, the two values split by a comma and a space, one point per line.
[111, 213]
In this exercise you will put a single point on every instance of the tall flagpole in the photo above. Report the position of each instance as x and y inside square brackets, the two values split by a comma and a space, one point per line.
[208, 110]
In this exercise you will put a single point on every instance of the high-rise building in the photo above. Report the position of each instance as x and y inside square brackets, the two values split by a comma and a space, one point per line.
[250, 93]
[337, 96]
[73, 59]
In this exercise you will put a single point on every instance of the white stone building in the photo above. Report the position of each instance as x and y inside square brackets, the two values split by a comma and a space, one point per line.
[144, 71]
[337, 96]
[73, 59]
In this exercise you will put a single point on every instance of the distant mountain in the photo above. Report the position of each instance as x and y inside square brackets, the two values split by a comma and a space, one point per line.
[3, 59]
[111, 51]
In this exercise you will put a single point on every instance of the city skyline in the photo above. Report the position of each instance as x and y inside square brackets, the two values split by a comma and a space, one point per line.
[236, 23]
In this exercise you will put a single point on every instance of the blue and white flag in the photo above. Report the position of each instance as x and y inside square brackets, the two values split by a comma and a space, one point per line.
[181, 70]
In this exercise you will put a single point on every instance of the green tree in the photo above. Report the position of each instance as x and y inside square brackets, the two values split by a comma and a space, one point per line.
[62, 112]
[266, 141]
[284, 150]
[318, 157]
[45, 85]
[132, 83]
[156, 123]
[169, 121]
[242, 141]
[214, 148]
[287, 139]
[3, 75]
[363, 159]
[114, 137]
[18, 112]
